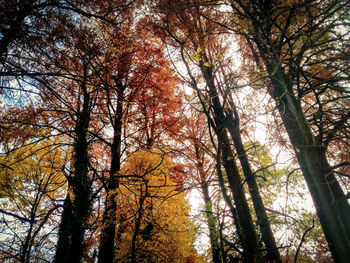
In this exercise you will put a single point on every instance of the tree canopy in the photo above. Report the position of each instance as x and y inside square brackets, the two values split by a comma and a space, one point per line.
[174, 131]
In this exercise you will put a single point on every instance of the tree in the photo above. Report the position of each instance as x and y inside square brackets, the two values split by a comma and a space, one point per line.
[115, 83]
[248, 234]
[65, 81]
[153, 218]
[29, 22]
[279, 49]
[141, 97]
[98, 146]
[71, 73]
[33, 182]
[195, 149]
[198, 42]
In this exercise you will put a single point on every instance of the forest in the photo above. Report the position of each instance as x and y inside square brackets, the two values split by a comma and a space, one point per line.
[188, 131]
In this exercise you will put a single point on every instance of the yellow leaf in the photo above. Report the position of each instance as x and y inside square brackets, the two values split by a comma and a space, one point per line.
[199, 50]
[219, 57]
[196, 58]
[206, 64]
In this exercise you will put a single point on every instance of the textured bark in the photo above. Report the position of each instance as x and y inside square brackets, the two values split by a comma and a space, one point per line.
[259, 207]
[107, 244]
[107, 241]
[71, 245]
[249, 240]
[64, 240]
[226, 196]
[330, 201]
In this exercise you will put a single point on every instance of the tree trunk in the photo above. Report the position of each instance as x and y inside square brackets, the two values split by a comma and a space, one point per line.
[107, 241]
[259, 207]
[138, 219]
[64, 239]
[213, 233]
[25, 253]
[250, 241]
[226, 196]
[70, 246]
[331, 204]
[330, 201]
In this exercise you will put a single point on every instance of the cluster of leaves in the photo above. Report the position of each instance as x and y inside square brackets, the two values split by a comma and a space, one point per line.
[33, 184]
[153, 213]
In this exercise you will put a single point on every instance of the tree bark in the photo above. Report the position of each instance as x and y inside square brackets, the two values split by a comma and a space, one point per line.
[329, 199]
[64, 239]
[107, 241]
[259, 207]
[76, 210]
[70, 246]
[250, 241]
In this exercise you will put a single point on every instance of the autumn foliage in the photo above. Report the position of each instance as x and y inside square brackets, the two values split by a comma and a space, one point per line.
[174, 131]
[154, 215]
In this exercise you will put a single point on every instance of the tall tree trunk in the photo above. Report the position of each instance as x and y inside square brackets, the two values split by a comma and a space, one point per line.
[222, 246]
[64, 239]
[25, 253]
[331, 203]
[329, 199]
[226, 196]
[213, 233]
[70, 246]
[259, 207]
[250, 241]
[107, 241]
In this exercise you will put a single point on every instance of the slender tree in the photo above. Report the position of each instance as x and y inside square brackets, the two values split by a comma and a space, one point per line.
[197, 133]
[76, 210]
[194, 35]
[143, 90]
[275, 41]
